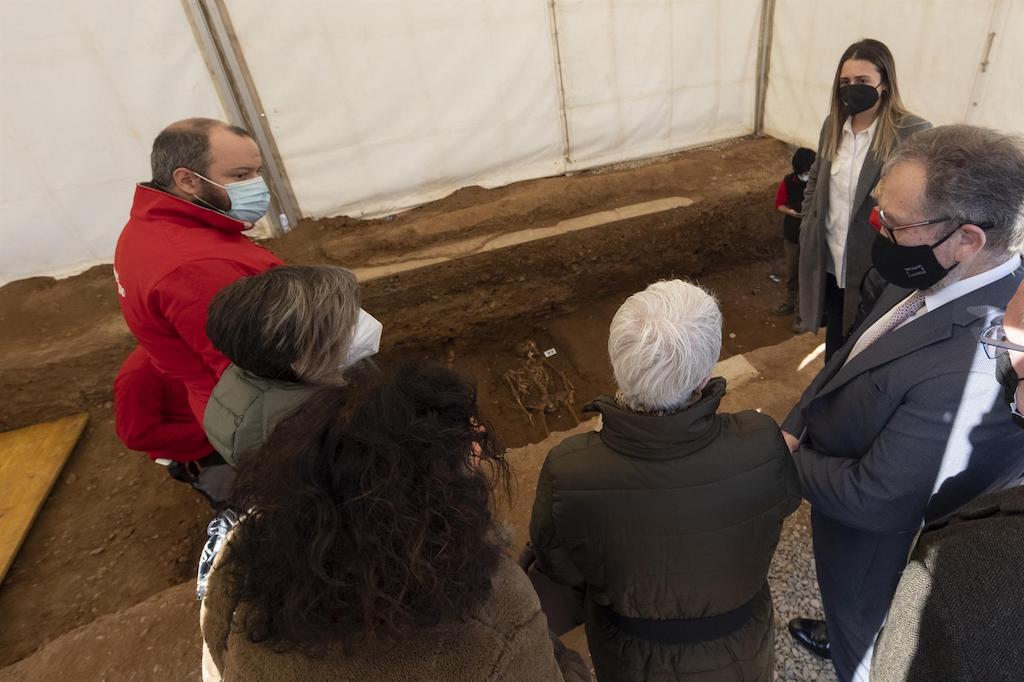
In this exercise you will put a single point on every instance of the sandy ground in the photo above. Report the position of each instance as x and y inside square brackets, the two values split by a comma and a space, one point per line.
[115, 534]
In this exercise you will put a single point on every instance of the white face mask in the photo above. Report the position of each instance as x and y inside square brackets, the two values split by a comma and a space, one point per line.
[804, 177]
[365, 339]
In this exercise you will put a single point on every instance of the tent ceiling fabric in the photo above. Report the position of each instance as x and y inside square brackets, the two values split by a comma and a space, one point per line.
[652, 76]
[87, 86]
[937, 46]
[381, 105]
[999, 102]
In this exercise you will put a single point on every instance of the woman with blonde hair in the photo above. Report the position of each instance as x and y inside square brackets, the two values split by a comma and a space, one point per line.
[867, 121]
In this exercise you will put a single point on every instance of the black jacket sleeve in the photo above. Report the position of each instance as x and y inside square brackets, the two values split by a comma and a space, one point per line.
[552, 556]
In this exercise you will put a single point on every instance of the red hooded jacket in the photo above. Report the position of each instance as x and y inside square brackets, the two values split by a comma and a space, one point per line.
[152, 414]
[171, 258]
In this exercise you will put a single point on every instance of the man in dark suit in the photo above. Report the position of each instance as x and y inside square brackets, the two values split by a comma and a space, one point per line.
[956, 613]
[906, 423]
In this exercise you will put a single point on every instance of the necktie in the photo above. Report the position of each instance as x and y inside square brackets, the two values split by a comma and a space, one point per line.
[897, 316]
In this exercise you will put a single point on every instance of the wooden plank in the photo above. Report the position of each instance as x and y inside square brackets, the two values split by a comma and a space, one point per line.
[30, 461]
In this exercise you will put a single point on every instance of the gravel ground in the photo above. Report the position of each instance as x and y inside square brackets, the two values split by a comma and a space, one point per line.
[795, 593]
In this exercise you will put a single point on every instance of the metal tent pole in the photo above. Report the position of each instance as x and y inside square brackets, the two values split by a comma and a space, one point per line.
[764, 56]
[566, 148]
[996, 25]
[234, 83]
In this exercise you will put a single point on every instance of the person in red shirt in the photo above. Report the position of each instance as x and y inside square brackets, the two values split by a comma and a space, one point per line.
[788, 201]
[152, 415]
[183, 243]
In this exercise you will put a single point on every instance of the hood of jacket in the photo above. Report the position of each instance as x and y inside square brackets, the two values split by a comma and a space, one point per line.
[244, 409]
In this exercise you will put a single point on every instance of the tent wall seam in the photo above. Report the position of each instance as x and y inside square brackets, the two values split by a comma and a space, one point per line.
[996, 24]
[553, 14]
[764, 56]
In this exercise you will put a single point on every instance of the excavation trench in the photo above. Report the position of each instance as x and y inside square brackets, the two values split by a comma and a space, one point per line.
[465, 282]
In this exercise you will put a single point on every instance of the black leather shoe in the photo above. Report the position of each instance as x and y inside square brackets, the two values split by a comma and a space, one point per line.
[812, 635]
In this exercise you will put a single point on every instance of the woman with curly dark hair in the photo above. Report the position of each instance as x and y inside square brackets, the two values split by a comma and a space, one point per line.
[369, 551]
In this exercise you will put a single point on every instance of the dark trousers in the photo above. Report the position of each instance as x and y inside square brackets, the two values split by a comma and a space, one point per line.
[792, 250]
[834, 335]
[211, 476]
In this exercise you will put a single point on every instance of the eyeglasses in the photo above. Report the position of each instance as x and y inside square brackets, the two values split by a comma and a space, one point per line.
[880, 222]
[993, 340]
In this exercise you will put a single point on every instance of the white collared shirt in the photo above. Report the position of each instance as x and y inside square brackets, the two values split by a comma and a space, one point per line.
[954, 291]
[842, 188]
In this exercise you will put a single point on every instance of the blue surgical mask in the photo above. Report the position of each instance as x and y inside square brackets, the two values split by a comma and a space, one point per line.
[250, 199]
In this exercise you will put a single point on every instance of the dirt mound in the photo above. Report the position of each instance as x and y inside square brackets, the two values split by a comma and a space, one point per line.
[157, 639]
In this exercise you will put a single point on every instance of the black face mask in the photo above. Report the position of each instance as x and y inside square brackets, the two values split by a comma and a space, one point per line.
[858, 97]
[910, 267]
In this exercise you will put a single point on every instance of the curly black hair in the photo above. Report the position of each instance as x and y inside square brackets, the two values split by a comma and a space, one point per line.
[370, 514]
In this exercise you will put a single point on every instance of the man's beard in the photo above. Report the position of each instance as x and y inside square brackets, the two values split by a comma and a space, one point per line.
[208, 198]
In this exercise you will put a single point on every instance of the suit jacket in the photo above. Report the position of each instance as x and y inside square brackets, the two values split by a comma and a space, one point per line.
[956, 614]
[813, 245]
[911, 429]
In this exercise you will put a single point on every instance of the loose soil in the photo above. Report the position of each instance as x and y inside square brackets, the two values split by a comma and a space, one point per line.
[116, 530]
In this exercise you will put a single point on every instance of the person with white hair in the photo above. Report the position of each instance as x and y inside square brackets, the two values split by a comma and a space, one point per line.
[667, 518]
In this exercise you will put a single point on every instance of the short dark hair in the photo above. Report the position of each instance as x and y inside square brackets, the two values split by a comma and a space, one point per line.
[803, 159]
[185, 144]
[372, 514]
[293, 322]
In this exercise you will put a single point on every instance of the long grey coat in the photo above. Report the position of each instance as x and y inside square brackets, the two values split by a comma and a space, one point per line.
[813, 246]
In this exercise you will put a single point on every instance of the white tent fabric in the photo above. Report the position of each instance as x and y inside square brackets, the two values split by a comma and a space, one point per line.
[652, 76]
[86, 87]
[378, 106]
[937, 46]
[999, 98]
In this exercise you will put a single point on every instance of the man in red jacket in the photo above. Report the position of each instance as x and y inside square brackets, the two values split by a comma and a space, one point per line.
[184, 242]
[152, 415]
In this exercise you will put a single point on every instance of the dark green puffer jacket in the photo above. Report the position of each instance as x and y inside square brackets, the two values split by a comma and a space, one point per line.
[244, 409]
[673, 516]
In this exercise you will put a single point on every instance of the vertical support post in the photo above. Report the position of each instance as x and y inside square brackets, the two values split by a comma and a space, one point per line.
[234, 83]
[553, 14]
[996, 27]
[764, 55]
